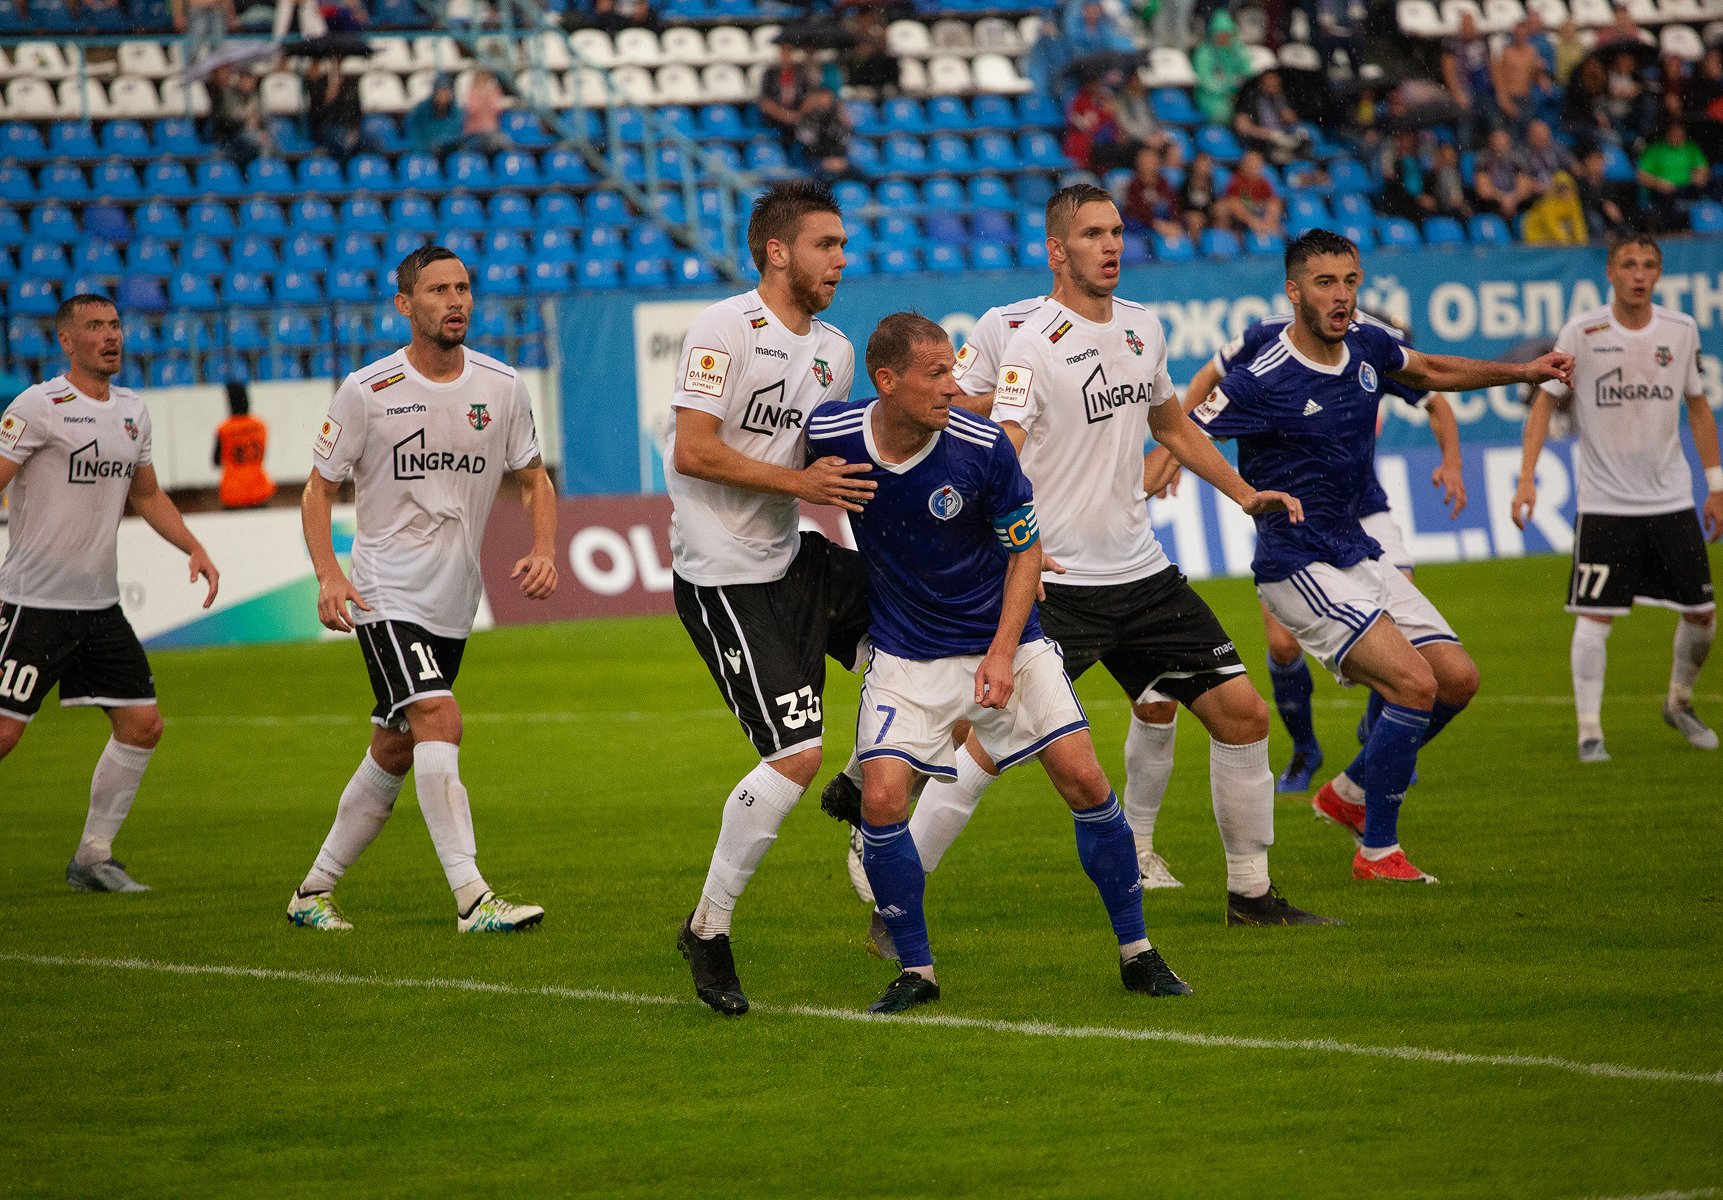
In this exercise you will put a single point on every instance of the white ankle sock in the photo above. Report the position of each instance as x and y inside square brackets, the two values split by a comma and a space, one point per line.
[1128, 952]
[1692, 647]
[1148, 767]
[448, 815]
[1241, 785]
[365, 805]
[113, 787]
[945, 808]
[1588, 656]
[1352, 793]
[470, 894]
[1378, 853]
[752, 815]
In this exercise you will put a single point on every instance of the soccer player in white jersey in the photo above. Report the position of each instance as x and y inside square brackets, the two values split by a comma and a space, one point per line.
[1082, 385]
[426, 435]
[1637, 537]
[763, 602]
[74, 450]
[977, 371]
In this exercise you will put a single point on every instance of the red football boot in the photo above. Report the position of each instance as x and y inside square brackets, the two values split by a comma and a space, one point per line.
[1395, 867]
[1336, 810]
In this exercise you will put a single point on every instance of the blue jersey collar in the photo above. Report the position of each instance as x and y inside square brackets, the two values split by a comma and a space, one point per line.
[902, 468]
[1338, 369]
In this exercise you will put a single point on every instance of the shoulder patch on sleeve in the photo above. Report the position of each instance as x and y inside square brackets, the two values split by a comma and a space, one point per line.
[1211, 408]
[707, 370]
[965, 360]
[12, 428]
[1598, 328]
[1013, 386]
[328, 434]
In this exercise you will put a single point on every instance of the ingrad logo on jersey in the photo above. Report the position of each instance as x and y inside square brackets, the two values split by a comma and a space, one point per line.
[478, 418]
[1613, 391]
[1100, 398]
[88, 466]
[414, 461]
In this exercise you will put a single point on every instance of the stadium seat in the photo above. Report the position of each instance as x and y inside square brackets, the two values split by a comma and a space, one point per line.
[386, 131]
[27, 340]
[944, 193]
[188, 289]
[647, 271]
[402, 243]
[22, 141]
[945, 227]
[306, 252]
[1220, 244]
[16, 184]
[902, 115]
[467, 169]
[851, 195]
[898, 261]
[312, 215]
[1035, 111]
[557, 245]
[510, 210]
[150, 256]
[1397, 233]
[1489, 230]
[419, 171]
[1352, 207]
[64, 181]
[1350, 176]
[1173, 249]
[1706, 217]
[898, 194]
[95, 256]
[944, 258]
[363, 214]
[567, 168]
[1043, 151]
[167, 179]
[357, 251]
[992, 112]
[72, 139]
[722, 121]
[141, 293]
[185, 332]
[604, 241]
[463, 243]
[350, 284]
[219, 177]
[107, 221]
[1259, 244]
[212, 219]
[990, 256]
[254, 252]
[524, 129]
[1444, 231]
[413, 212]
[174, 371]
[11, 226]
[904, 156]
[898, 232]
[1134, 251]
[203, 254]
[53, 221]
[1217, 140]
[557, 208]
[1362, 234]
[246, 287]
[950, 154]
[370, 171]
[606, 208]
[1302, 206]
[461, 211]
[272, 367]
[600, 274]
[691, 270]
[514, 169]
[262, 217]
[1173, 106]
[271, 176]
[947, 112]
[766, 158]
[503, 245]
[44, 260]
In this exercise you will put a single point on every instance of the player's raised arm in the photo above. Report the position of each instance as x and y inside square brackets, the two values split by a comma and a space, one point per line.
[157, 509]
[1174, 429]
[703, 454]
[1447, 475]
[1449, 373]
[537, 571]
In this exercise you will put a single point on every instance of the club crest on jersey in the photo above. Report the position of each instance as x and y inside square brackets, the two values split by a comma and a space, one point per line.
[758, 322]
[1059, 332]
[478, 417]
[823, 372]
[1134, 342]
[389, 382]
[1664, 357]
[132, 429]
[945, 503]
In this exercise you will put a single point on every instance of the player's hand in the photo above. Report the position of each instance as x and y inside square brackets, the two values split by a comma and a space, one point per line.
[1161, 473]
[1525, 499]
[832, 481]
[1554, 365]
[1267, 502]
[995, 679]
[333, 596]
[1711, 516]
[200, 565]
[539, 572]
[1453, 485]
[1048, 563]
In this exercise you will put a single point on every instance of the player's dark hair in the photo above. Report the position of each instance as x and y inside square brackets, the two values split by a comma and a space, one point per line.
[68, 310]
[407, 274]
[1062, 208]
[1621, 241]
[1314, 242]
[778, 213]
[894, 340]
[238, 399]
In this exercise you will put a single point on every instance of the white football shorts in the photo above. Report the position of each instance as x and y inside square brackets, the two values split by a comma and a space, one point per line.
[1329, 608]
[1386, 530]
[908, 709]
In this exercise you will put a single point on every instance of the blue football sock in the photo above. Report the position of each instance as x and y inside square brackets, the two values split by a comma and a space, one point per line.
[1388, 760]
[894, 872]
[1372, 710]
[1292, 688]
[1108, 853]
[1439, 718]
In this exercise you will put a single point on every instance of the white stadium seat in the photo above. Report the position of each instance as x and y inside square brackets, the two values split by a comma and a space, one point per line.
[419, 85]
[28, 97]
[1681, 10]
[679, 83]
[1594, 14]
[912, 76]
[1681, 41]
[592, 47]
[1713, 8]
[1554, 12]
[1028, 29]
[132, 96]
[1419, 18]
[683, 44]
[948, 75]
[381, 91]
[281, 94]
[1296, 56]
[635, 84]
[997, 35]
[908, 37]
[589, 87]
[552, 52]
[1452, 10]
[995, 73]
[391, 54]
[1170, 68]
[724, 82]
[146, 58]
[639, 47]
[1261, 59]
[544, 89]
[727, 44]
[1713, 33]
[174, 94]
[41, 59]
[1299, 25]
[439, 52]
[76, 103]
[1503, 15]
[952, 36]
[766, 42]
[1644, 12]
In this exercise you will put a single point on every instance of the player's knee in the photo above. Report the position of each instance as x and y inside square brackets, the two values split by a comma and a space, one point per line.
[10, 732]
[140, 726]
[1704, 619]
[883, 804]
[799, 768]
[1242, 717]
[1283, 648]
[1458, 682]
[1415, 686]
[1158, 712]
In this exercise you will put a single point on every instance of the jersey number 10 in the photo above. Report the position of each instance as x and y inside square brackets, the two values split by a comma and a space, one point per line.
[428, 668]
[18, 689]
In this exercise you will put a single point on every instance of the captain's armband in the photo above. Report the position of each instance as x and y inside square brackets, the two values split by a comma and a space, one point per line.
[1017, 529]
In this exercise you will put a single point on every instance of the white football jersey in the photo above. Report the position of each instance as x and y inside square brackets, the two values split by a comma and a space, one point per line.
[742, 365]
[977, 368]
[1082, 393]
[426, 460]
[76, 457]
[1629, 387]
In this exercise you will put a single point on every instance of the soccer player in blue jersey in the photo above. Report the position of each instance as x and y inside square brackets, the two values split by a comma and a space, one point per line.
[950, 545]
[1304, 413]
[1287, 669]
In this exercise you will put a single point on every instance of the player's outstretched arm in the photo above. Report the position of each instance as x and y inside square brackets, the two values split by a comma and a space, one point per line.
[334, 590]
[996, 676]
[981, 406]
[1175, 430]
[1537, 428]
[157, 509]
[702, 453]
[537, 571]
[1448, 373]
[1160, 468]
[8, 469]
[1447, 475]
[1704, 425]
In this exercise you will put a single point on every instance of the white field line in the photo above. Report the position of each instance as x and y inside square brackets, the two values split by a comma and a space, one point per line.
[1696, 1194]
[1037, 1029]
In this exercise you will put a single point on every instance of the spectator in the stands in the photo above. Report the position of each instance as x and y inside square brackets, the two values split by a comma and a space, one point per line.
[1198, 195]
[1609, 207]
[1221, 66]
[613, 16]
[434, 123]
[1672, 84]
[868, 63]
[1447, 185]
[1091, 31]
[1570, 51]
[481, 124]
[1546, 99]
[1622, 30]
[1467, 70]
[1704, 95]
[236, 115]
[1172, 23]
[1632, 106]
[1674, 173]
[1500, 178]
[1586, 111]
[1332, 28]
[1265, 121]
[1540, 38]
[783, 92]
[1088, 123]
[1250, 201]
[1134, 114]
[1049, 59]
[1514, 69]
[205, 23]
[332, 104]
[824, 135]
[1556, 218]
[1151, 201]
[1544, 157]
[1406, 188]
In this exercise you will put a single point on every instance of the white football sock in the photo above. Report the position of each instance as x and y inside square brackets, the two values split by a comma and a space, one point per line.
[1148, 767]
[1589, 655]
[1241, 784]
[752, 815]
[1692, 647]
[113, 787]
[1131, 951]
[437, 777]
[945, 808]
[365, 805]
[1378, 853]
[1352, 793]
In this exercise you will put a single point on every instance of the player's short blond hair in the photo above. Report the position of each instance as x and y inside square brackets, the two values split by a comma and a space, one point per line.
[1062, 208]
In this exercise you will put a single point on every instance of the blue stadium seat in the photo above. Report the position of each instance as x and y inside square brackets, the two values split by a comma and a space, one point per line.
[524, 129]
[724, 122]
[857, 263]
[64, 181]
[679, 117]
[466, 169]
[168, 179]
[1350, 176]
[141, 293]
[210, 219]
[896, 260]
[272, 367]
[172, 372]
[1219, 141]
[72, 139]
[945, 226]
[1173, 106]
[461, 211]
[1173, 249]
[898, 232]
[1032, 252]
[902, 115]
[604, 241]
[226, 368]
[53, 221]
[402, 243]
[11, 226]
[991, 256]
[557, 208]
[311, 215]
[176, 135]
[1042, 150]
[203, 254]
[864, 157]
[413, 212]
[306, 252]
[566, 167]
[1488, 229]
[645, 237]
[44, 260]
[691, 270]
[898, 194]
[246, 287]
[294, 329]
[904, 156]
[1220, 244]
[219, 177]
[600, 274]
[992, 112]
[1260, 244]
[766, 158]
[35, 297]
[514, 169]
[944, 193]
[191, 290]
[1302, 206]
[669, 205]
[1352, 207]
[244, 333]
[150, 256]
[557, 245]
[1035, 111]
[947, 112]
[860, 232]
[722, 154]
[511, 210]
[22, 141]
[399, 14]
[950, 154]
[1397, 233]
[851, 195]
[646, 271]
[994, 151]
[988, 191]
[863, 117]
[369, 171]
[288, 140]
[262, 217]
[271, 176]
[1706, 217]
[549, 276]
[1363, 235]
[1616, 166]
[606, 208]
[463, 243]
[320, 173]
[350, 284]
[419, 170]
[992, 225]
[626, 125]
[944, 258]
[16, 184]
[27, 340]
[185, 332]
[503, 245]
[364, 214]
[357, 251]
[386, 131]
[96, 256]
[107, 221]
[254, 252]
[1444, 231]
[1134, 251]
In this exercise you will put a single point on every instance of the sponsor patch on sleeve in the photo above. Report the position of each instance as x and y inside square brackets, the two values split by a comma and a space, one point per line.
[328, 434]
[63, 399]
[1211, 408]
[965, 360]
[12, 428]
[1059, 332]
[759, 322]
[1598, 328]
[1013, 386]
[393, 379]
[707, 370]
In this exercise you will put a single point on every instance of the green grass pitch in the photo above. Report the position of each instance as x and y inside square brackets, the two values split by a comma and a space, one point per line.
[1579, 918]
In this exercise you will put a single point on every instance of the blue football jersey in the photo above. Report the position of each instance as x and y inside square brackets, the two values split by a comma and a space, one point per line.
[1245, 347]
[933, 538]
[1310, 431]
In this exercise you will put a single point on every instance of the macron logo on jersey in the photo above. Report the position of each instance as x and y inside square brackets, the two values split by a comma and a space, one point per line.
[767, 413]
